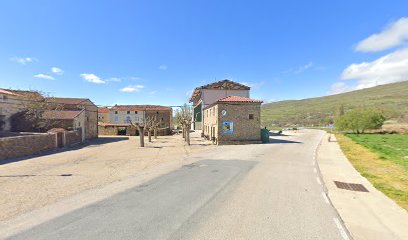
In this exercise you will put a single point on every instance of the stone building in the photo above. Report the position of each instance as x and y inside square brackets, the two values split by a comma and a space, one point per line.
[206, 95]
[9, 105]
[137, 113]
[117, 119]
[69, 120]
[12, 102]
[233, 120]
[90, 125]
[103, 114]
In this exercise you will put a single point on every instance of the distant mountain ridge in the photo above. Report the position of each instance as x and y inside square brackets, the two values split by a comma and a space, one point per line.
[392, 99]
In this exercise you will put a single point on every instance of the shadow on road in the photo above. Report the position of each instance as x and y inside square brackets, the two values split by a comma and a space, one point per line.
[88, 143]
[272, 140]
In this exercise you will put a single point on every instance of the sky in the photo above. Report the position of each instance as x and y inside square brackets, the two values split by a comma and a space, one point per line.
[157, 52]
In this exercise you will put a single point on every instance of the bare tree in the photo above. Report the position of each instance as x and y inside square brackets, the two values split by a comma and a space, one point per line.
[184, 118]
[36, 113]
[156, 125]
[141, 128]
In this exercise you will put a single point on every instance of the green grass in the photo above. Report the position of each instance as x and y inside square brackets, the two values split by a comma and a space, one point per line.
[382, 159]
[391, 147]
[390, 98]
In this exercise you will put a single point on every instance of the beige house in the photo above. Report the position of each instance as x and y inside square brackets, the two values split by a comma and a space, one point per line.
[103, 114]
[68, 120]
[206, 95]
[9, 105]
[76, 105]
[118, 119]
[12, 102]
[233, 120]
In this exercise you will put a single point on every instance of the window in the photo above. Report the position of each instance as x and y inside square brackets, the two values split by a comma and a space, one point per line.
[5, 97]
[127, 119]
[162, 119]
[251, 116]
[116, 119]
[157, 112]
[128, 112]
[116, 112]
[135, 112]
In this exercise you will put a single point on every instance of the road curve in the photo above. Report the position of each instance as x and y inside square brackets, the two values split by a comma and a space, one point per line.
[269, 191]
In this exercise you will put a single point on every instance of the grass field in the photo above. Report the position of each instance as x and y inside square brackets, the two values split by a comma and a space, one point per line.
[392, 99]
[382, 159]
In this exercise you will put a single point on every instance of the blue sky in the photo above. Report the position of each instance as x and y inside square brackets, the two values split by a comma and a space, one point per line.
[139, 52]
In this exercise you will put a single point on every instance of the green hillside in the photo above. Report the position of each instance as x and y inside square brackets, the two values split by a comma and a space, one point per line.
[392, 99]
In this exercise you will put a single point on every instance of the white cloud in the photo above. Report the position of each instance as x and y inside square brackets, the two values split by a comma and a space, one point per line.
[90, 77]
[300, 69]
[57, 71]
[153, 92]
[23, 60]
[44, 76]
[134, 88]
[339, 87]
[254, 85]
[390, 68]
[163, 67]
[392, 36]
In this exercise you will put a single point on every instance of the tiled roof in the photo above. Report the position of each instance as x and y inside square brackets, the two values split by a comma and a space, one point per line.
[103, 110]
[66, 100]
[239, 99]
[102, 124]
[140, 108]
[30, 94]
[61, 115]
[3, 91]
[220, 85]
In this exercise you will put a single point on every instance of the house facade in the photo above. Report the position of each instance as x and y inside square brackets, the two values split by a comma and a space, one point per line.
[9, 105]
[119, 118]
[206, 95]
[233, 120]
[76, 105]
[69, 120]
[12, 102]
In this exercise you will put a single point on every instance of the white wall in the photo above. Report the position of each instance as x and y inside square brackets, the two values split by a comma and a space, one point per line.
[210, 96]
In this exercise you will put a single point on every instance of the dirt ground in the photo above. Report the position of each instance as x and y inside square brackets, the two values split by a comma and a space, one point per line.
[35, 182]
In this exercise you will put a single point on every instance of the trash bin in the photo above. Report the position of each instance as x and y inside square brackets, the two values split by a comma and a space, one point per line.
[265, 135]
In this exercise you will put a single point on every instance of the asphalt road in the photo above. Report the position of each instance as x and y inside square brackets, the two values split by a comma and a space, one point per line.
[269, 191]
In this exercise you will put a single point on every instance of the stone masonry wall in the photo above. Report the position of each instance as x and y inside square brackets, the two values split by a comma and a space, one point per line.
[11, 147]
[244, 129]
[73, 137]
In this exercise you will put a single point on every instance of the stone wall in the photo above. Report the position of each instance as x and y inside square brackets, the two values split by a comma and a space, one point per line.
[245, 130]
[164, 116]
[73, 137]
[11, 147]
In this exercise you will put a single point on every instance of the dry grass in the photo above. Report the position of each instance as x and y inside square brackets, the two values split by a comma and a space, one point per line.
[387, 176]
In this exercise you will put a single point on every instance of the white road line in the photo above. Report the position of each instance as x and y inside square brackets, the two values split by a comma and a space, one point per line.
[318, 181]
[314, 170]
[325, 198]
[341, 229]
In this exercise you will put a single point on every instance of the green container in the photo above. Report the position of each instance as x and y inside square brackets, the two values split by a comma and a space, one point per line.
[265, 135]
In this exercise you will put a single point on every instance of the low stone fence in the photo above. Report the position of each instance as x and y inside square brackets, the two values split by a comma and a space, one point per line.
[11, 147]
[19, 146]
[73, 137]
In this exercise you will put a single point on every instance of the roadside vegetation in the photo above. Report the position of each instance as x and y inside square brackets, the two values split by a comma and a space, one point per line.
[382, 159]
[391, 99]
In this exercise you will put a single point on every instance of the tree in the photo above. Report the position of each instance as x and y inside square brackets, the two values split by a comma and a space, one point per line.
[360, 120]
[184, 117]
[32, 115]
[141, 128]
[156, 125]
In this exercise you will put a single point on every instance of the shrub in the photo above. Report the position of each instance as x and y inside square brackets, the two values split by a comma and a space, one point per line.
[359, 120]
